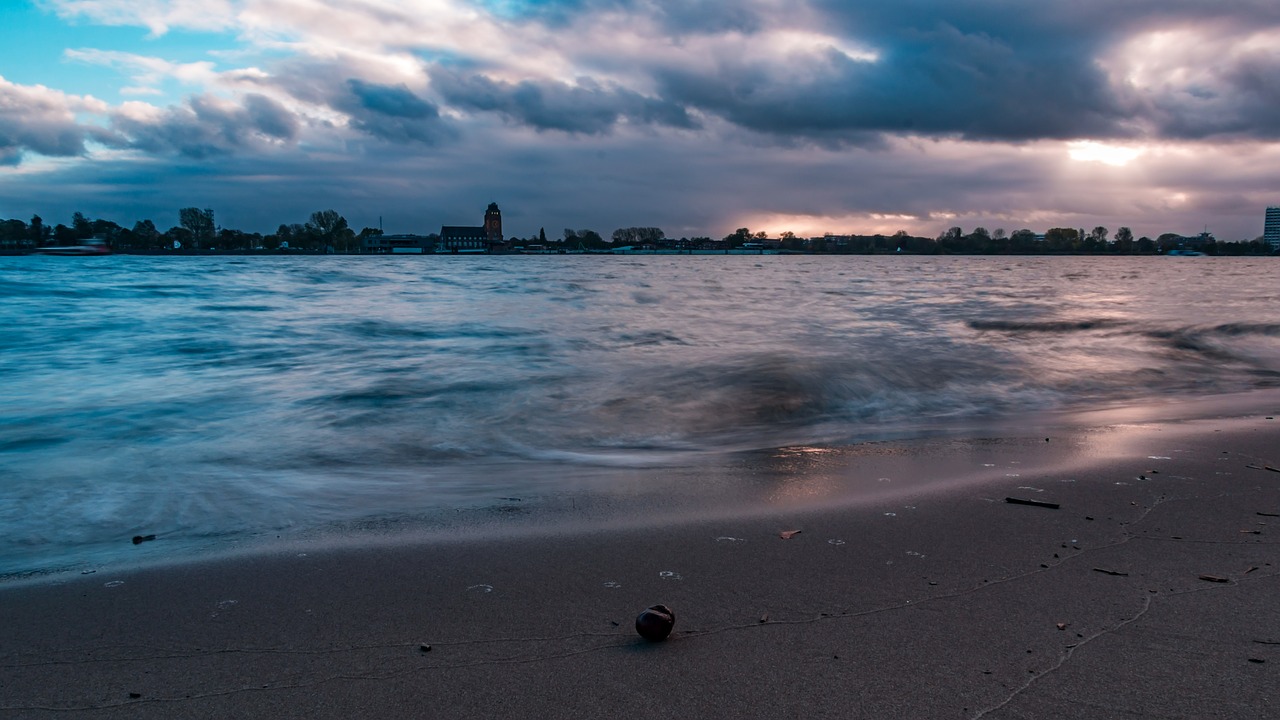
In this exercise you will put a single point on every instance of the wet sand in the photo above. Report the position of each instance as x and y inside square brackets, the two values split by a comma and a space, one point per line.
[1150, 592]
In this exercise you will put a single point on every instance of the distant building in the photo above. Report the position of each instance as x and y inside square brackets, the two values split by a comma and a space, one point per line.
[397, 244]
[485, 238]
[1198, 242]
[1271, 229]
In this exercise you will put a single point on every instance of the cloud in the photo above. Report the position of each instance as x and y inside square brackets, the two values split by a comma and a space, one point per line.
[697, 116]
[1204, 82]
[147, 71]
[819, 71]
[587, 107]
[159, 16]
[205, 126]
[42, 120]
[391, 112]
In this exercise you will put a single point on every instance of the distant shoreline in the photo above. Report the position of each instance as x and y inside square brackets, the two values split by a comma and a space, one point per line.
[630, 253]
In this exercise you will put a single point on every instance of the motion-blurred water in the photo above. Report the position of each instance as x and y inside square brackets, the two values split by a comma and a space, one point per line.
[219, 397]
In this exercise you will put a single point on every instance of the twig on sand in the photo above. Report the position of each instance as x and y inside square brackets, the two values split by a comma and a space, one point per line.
[1110, 572]
[1036, 503]
[1215, 578]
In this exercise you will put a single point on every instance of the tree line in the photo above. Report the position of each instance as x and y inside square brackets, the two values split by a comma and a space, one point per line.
[197, 230]
[328, 231]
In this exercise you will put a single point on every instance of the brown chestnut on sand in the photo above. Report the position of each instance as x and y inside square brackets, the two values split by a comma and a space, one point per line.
[655, 623]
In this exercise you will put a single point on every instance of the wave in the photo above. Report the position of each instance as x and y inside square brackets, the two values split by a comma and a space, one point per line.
[1047, 326]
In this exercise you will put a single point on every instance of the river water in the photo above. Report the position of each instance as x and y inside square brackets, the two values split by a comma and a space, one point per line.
[208, 400]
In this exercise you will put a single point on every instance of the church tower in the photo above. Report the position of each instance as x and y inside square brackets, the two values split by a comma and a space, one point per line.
[493, 224]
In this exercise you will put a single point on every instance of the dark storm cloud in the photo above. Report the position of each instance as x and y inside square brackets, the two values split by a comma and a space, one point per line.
[987, 70]
[938, 83]
[995, 70]
[391, 112]
[586, 108]
[270, 118]
[206, 126]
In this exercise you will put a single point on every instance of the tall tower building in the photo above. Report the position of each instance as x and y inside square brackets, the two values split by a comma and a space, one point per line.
[1271, 229]
[493, 224]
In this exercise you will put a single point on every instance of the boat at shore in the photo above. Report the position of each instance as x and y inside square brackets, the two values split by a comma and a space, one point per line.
[86, 249]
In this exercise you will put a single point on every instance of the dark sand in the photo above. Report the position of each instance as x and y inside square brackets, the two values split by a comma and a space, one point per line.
[956, 605]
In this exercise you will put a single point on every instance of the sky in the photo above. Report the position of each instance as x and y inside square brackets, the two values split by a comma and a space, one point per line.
[695, 116]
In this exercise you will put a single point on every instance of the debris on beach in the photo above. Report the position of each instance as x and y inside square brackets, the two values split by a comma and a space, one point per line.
[764, 618]
[1035, 503]
[139, 539]
[788, 534]
[654, 624]
[1215, 578]
[1062, 626]
[424, 647]
[1110, 572]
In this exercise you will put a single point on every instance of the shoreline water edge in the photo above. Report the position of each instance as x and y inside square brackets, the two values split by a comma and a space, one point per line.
[1146, 592]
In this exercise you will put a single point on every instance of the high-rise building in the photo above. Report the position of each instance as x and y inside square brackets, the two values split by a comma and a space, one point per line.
[1271, 229]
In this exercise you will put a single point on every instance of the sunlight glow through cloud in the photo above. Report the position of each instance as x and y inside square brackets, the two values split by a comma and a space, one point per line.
[1107, 154]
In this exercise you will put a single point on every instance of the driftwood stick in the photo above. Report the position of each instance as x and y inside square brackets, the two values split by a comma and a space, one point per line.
[1036, 503]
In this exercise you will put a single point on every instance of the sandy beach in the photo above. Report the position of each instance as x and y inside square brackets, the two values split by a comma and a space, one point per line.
[1149, 592]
